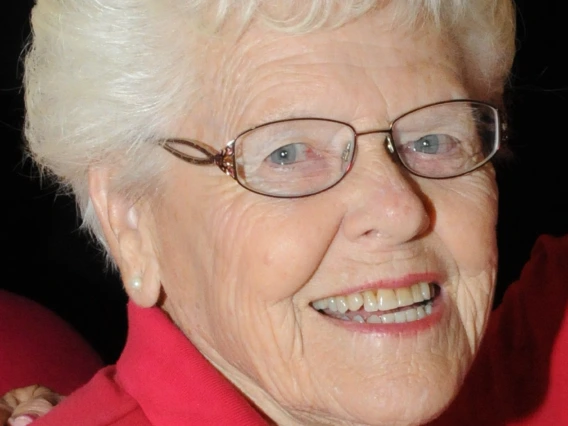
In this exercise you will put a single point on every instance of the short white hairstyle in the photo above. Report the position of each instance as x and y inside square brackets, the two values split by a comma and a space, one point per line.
[105, 79]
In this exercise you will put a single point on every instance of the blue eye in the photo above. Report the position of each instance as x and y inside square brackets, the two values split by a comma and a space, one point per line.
[429, 144]
[284, 155]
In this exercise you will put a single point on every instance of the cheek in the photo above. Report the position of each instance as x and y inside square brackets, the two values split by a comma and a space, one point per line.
[271, 247]
[465, 224]
[466, 217]
[224, 249]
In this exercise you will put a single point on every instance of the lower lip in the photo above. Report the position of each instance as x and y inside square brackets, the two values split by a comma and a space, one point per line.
[395, 328]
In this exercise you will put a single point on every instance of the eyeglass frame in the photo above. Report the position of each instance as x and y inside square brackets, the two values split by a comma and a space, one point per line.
[225, 159]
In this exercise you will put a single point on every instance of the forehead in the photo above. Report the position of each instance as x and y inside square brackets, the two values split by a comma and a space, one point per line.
[365, 73]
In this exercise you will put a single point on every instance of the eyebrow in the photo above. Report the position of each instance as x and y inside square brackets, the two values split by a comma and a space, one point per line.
[316, 105]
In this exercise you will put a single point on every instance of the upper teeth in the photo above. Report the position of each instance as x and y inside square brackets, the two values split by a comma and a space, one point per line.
[377, 300]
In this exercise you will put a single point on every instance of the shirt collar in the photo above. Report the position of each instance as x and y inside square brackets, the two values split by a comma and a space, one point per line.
[170, 379]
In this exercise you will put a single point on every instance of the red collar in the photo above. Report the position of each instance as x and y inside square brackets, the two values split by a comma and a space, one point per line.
[173, 383]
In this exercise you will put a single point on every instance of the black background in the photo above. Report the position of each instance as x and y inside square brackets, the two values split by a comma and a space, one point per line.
[47, 259]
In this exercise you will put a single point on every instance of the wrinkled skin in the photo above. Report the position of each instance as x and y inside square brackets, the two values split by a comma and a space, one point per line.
[237, 271]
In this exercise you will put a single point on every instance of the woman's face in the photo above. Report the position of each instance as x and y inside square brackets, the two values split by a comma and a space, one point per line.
[241, 272]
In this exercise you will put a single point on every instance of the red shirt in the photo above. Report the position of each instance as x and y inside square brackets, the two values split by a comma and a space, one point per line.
[519, 378]
[160, 380]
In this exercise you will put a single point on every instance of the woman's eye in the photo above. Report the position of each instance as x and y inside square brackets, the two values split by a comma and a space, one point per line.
[287, 154]
[429, 144]
[435, 144]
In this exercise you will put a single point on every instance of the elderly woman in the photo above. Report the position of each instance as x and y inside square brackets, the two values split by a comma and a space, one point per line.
[298, 196]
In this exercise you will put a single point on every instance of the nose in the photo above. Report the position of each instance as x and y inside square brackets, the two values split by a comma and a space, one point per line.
[386, 208]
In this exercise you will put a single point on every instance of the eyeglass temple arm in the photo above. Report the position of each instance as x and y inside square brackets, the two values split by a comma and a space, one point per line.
[223, 159]
[208, 152]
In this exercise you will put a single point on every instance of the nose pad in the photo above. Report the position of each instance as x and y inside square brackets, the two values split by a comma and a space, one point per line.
[389, 144]
[348, 157]
[393, 153]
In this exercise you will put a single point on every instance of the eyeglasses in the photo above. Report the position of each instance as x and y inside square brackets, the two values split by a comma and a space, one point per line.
[299, 157]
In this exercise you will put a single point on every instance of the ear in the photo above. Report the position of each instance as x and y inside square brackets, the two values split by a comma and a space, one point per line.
[127, 227]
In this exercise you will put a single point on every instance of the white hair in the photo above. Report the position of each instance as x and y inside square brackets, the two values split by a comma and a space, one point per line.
[105, 78]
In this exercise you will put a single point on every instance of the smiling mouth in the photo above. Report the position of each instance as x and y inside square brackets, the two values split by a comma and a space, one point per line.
[382, 306]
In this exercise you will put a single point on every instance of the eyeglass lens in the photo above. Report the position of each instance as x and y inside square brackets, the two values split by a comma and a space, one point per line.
[299, 157]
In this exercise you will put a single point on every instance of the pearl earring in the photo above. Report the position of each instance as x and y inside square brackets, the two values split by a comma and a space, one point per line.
[135, 283]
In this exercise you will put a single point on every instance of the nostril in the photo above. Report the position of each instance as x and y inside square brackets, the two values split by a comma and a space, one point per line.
[375, 234]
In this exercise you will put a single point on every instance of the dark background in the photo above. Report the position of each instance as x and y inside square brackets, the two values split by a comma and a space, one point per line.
[47, 259]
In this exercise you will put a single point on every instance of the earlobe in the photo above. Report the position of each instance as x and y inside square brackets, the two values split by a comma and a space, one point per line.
[137, 263]
[126, 225]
